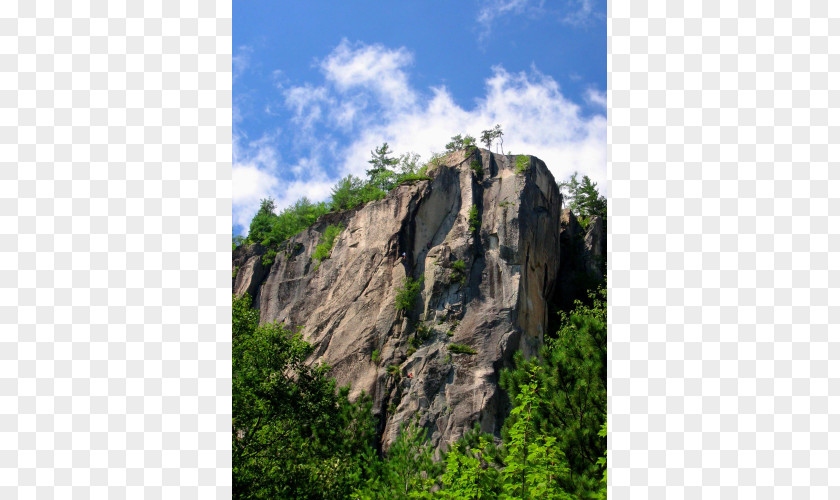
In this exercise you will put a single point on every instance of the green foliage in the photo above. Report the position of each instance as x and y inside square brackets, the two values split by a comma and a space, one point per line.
[238, 240]
[462, 349]
[506, 204]
[583, 197]
[374, 356]
[268, 257]
[458, 272]
[423, 332]
[476, 167]
[350, 192]
[379, 174]
[448, 358]
[488, 136]
[573, 381]
[235, 270]
[407, 293]
[323, 249]
[293, 434]
[458, 143]
[405, 178]
[534, 465]
[474, 221]
[394, 370]
[411, 350]
[584, 222]
[449, 333]
[436, 159]
[270, 229]
[522, 163]
[602, 493]
[468, 475]
[409, 163]
[408, 471]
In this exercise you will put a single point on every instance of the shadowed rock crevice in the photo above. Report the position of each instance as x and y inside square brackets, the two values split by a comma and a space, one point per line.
[492, 290]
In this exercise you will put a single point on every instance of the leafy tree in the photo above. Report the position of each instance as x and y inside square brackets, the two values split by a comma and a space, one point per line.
[344, 194]
[533, 464]
[497, 133]
[270, 229]
[490, 135]
[468, 472]
[407, 293]
[436, 159]
[584, 198]
[267, 206]
[293, 435]
[487, 138]
[458, 143]
[408, 470]
[380, 174]
[573, 381]
[409, 163]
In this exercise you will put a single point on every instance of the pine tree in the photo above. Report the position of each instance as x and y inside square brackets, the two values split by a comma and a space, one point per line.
[408, 470]
[583, 197]
[573, 383]
[381, 175]
[534, 465]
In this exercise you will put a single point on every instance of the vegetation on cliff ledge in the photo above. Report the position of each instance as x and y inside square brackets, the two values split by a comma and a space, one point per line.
[323, 249]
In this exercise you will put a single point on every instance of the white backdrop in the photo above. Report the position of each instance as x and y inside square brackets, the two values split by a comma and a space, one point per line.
[115, 165]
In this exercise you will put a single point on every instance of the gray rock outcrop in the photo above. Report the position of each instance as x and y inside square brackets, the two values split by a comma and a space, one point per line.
[489, 287]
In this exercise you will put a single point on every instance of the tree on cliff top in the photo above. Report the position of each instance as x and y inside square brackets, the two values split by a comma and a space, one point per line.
[458, 143]
[583, 196]
[490, 135]
[380, 174]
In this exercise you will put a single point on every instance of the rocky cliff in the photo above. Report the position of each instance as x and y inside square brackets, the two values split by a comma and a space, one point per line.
[489, 282]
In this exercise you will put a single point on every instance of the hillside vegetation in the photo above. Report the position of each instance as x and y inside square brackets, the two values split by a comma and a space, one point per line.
[295, 436]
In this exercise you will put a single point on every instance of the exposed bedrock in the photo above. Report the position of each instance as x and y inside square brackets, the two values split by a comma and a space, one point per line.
[491, 289]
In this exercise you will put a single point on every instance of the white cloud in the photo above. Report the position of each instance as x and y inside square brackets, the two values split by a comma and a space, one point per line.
[536, 118]
[241, 61]
[374, 68]
[574, 12]
[580, 13]
[497, 8]
[306, 102]
[597, 98]
[254, 175]
[250, 185]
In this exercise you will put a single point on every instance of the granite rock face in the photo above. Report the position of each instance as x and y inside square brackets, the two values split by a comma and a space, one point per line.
[489, 285]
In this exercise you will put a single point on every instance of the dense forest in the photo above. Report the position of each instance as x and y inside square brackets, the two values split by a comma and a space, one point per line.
[295, 434]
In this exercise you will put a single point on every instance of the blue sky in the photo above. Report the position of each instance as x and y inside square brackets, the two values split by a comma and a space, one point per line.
[317, 85]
